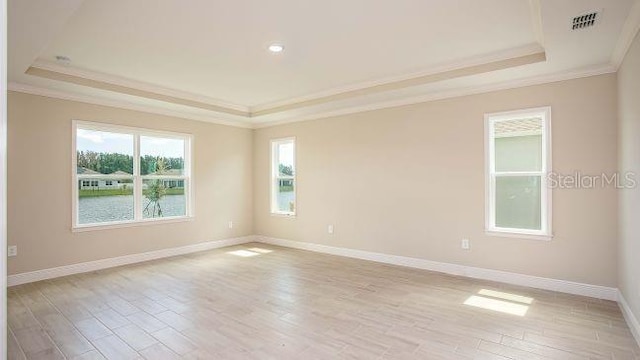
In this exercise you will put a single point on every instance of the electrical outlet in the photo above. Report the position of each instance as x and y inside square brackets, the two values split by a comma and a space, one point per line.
[12, 250]
[465, 244]
[230, 224]
[330, 229]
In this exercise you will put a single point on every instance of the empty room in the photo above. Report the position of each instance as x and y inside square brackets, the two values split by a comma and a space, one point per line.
[336, 179]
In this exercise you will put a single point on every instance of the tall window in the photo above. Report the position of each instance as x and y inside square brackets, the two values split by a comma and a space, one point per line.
[127, 175]
[283, 177]
[518, 161]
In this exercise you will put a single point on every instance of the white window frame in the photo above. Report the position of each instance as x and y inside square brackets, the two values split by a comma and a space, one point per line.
[135, 177]
[275, 176]
[545, 233]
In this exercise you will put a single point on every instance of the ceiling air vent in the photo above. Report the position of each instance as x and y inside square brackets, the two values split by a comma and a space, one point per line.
[584, 21]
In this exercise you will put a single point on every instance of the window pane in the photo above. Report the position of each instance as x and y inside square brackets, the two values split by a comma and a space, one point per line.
[105, 200]
[101, 152]
[518, 202]
[518, 145]
[163, 198]
[285, 159]
[161, 156]
[286, 196]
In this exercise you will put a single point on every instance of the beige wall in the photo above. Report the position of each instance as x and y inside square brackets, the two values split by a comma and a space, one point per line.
[39, 170]
[629, 152]
[410, 181]
[404, 181]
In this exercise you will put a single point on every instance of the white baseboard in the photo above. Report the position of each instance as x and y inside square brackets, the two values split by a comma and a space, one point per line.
[595, 291]
[51, 273]
[632, 320]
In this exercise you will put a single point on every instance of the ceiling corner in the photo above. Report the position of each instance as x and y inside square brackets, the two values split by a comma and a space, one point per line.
[26, 41]
[627, 35]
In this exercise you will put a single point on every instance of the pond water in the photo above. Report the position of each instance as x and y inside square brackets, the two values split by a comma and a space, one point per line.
[120, 208]
[101, 209]
[284, 198]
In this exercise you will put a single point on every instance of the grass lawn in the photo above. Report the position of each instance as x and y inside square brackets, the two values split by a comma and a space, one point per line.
[173, 191]
[117, 192]
[104, 192]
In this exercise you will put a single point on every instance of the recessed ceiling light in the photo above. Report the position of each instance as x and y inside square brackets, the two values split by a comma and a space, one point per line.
[63, 59]
[276, 48]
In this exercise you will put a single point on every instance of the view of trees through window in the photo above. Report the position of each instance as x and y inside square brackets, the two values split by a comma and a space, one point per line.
[109, 163]
[106, 176]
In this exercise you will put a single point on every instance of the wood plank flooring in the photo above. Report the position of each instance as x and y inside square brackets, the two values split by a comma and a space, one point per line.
[257, 301]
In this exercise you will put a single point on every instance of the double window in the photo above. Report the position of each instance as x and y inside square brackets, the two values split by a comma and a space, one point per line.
[283, 177]
[518, 161]
[126, 175]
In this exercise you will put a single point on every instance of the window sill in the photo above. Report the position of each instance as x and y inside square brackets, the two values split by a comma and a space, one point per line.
[519, 235]
[127, 224]
[284, 215]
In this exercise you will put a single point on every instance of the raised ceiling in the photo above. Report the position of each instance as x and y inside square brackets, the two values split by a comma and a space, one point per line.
[208, 59]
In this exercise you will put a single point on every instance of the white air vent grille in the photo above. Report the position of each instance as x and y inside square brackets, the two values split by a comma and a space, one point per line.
[584, 21]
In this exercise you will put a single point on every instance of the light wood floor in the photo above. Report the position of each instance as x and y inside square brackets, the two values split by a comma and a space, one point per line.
[292, 304]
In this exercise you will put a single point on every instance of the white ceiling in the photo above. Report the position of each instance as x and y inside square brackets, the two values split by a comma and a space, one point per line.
[214, 51]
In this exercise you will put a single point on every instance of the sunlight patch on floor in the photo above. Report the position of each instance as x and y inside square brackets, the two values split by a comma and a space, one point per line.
[260, 250]
[497, 305]
[507, 303]
[243, 253]
[506, 296]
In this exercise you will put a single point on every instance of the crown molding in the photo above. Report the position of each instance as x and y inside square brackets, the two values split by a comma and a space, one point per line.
[627, 35]
[530, 81]
[103, 81]
[64, 95]
[256, 123]
[500, 60]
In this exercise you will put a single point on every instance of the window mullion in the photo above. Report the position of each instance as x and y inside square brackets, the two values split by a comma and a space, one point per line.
[137, 193]
[522, 173]
[186, 169]
[492, 199]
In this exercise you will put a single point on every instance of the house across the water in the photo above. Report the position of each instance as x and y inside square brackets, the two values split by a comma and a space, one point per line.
[169, 183]
[123, 183]
[102, 184]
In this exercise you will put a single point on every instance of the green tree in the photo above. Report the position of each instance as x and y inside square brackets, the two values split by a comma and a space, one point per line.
[286, 170]
[155, 191]
[105, 163]
[108, 163]
[149, 164]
